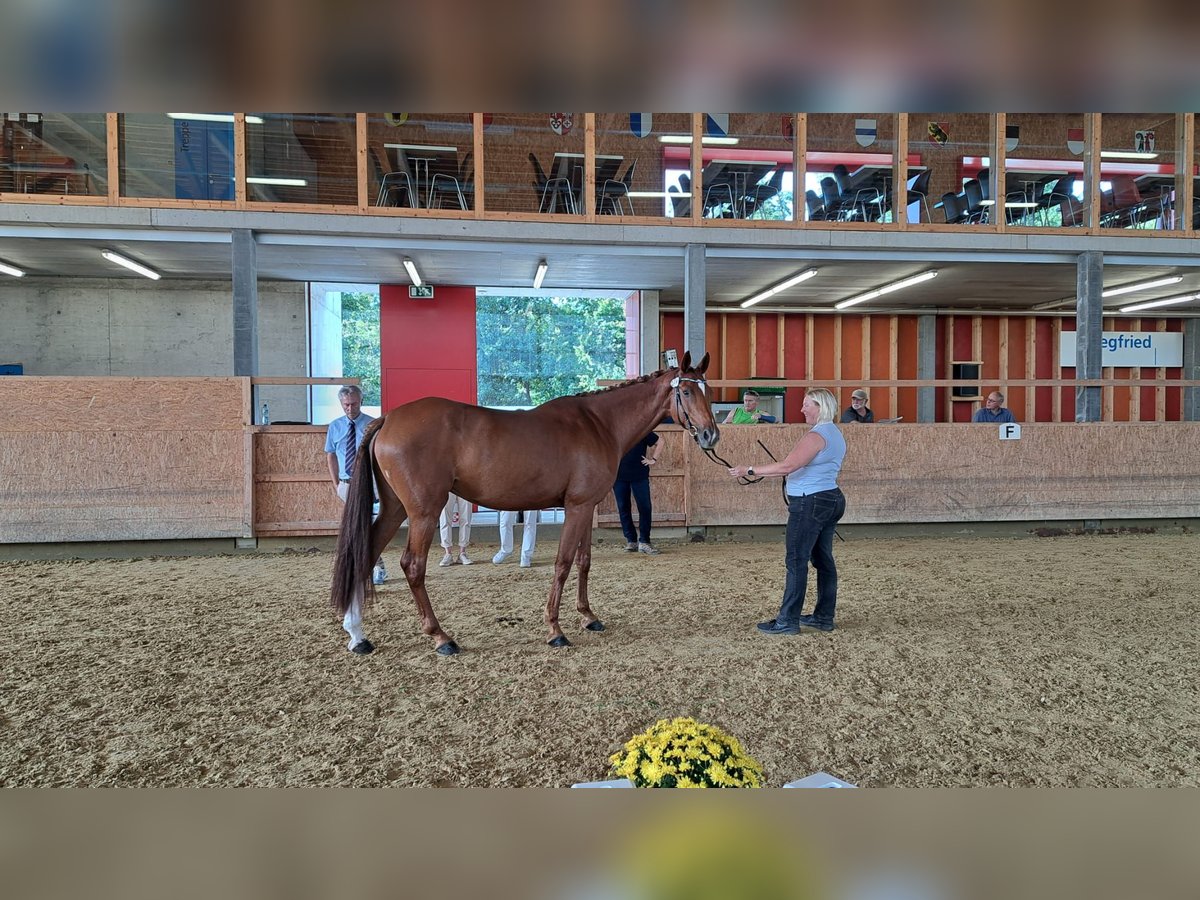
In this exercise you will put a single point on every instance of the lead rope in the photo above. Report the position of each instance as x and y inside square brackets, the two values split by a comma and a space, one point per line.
[682, 414]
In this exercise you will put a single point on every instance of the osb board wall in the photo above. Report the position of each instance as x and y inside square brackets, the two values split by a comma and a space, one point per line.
[292, 491]
[293, 494]
[112, 459]
[667, 494]
[965, 473]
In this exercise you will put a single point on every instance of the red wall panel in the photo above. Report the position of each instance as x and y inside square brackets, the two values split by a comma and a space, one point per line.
[766, 345]
[427, 347]
[737, 351]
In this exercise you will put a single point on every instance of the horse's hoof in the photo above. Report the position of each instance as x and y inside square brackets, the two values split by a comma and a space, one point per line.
[560, 641]
[363, 647]
[594, 626]
[447, 649]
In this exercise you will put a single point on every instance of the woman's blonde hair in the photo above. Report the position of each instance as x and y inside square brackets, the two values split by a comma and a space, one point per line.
[825, 403]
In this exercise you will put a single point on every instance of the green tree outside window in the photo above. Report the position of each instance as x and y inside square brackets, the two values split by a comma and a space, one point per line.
[360, 343]
[533, 349]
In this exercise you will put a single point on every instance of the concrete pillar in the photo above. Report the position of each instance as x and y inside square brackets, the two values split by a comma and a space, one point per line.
[1089, 325]
[926, 366]
[649, 337]
[695, 290]
[245, 303]
[1191, 369]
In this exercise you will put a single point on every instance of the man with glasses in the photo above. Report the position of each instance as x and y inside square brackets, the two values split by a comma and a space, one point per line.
[993, 411]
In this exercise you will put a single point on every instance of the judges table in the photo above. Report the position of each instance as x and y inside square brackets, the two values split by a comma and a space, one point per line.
[569, 165]
[423, 162]
[732, 179]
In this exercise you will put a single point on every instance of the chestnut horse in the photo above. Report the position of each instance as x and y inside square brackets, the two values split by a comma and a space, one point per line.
[562, 453]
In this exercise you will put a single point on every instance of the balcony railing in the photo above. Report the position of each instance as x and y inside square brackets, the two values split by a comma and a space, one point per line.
[1128, 173]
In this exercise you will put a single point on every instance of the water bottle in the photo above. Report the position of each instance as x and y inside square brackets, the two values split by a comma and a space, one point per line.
[266, 415]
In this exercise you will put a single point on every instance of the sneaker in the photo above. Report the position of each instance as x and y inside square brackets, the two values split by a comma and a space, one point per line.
[526, 561]
[810, 622]
[631, 546]
[647, 549]
[379, 574]
[463, 558]
[775, 627]
[500, 557]
[447, 560]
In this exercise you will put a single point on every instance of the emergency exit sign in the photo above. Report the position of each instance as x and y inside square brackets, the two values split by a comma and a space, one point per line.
[420, 291]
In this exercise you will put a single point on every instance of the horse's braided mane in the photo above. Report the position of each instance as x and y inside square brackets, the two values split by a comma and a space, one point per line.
[613, 387]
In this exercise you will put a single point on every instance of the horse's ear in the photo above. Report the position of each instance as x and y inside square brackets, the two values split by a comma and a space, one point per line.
[703, 365]
[687, 359]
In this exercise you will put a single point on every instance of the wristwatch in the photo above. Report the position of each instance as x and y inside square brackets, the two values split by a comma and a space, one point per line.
[750, 471]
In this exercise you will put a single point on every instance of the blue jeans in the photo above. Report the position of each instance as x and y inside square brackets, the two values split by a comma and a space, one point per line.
[811, 521]
[641, 496]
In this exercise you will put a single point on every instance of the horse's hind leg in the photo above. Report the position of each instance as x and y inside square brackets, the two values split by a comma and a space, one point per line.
[414, 560]
[583, 560]
[383, 529]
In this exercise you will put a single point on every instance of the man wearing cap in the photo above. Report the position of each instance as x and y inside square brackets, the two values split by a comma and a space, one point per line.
[857, 411]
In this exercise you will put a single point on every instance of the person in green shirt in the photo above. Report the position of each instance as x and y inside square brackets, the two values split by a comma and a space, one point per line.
[748, 413]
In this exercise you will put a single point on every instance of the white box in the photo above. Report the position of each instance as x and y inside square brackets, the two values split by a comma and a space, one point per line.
[614, 783]
[820, 780]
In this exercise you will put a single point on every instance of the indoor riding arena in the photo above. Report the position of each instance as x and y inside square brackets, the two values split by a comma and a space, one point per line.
[1012, 301]
[965, 654]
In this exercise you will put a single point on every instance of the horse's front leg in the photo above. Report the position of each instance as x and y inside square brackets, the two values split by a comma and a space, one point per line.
[575, 522]
[583, 560]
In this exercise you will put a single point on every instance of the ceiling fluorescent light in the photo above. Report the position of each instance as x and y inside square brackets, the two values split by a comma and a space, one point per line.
[213, 117]
[1117, 291]
[782, 286]
[1127, 154]
[887, 289]
[540, 276]
[288, 182]
[687, 139]
[1141, 286]
[1166, 301]
[130, 264]
[11, 270]
[412, 271]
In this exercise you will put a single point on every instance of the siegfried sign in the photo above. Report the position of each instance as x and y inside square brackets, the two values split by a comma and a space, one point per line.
[1148, 349]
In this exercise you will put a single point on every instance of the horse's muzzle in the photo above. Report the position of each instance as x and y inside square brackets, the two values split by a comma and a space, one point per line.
[707, 437]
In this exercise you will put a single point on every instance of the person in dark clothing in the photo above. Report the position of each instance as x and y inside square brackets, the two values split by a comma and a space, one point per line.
[858, 410]
[633, 478]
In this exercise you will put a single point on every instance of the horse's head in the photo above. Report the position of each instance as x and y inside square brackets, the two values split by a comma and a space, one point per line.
[689, 402]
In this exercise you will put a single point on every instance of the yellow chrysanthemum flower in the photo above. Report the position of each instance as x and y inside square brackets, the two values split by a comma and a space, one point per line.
[685, 753]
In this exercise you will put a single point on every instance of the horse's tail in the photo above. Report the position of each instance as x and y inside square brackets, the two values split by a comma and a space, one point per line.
[353, 562]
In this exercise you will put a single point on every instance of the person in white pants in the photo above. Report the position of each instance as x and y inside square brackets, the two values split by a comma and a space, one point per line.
[528, 537]
[456, 512]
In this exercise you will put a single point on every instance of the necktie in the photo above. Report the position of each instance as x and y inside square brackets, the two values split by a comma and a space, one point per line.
[350, 449]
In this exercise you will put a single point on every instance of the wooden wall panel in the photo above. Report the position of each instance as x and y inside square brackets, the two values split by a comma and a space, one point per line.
[667, 488]
[906, 365]
[672, 332]
[825, 349]
[736, 350]
[819, 348]
[292, 490]
[964, 473]
[766, 350]
[796, 364]
[113, 459]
